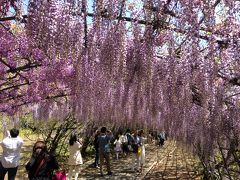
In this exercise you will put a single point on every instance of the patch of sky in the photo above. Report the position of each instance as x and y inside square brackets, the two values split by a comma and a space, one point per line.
[162, 51]
[221, 12]
[236, 12]
[11, 12]
[200, 15]
[179, 37]
[25, 6]
[90, 5]
[131, 6]
[203, 43]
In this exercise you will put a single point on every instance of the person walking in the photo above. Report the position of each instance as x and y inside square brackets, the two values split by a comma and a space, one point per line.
[118, 146]
[124, 141]
[75, 157]
[11, 146]
[130, 140]
[42, 163]
[135, 157]
[96, 147]
[141, 149]
[104, 149]
[161, 139]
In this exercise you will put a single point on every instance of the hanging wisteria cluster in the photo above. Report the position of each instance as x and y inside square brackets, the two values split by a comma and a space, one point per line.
[166, 64]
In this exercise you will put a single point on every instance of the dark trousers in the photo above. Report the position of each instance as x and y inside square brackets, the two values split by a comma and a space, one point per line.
[96, 163]
[104, 156]
[161, 142]
[125, 148]
[11, 172]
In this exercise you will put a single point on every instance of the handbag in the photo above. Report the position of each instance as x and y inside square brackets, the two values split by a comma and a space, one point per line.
[139, 151]
[130, 148]
[59, 175]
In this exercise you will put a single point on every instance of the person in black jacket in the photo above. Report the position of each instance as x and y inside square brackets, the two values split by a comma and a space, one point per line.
[42, 164]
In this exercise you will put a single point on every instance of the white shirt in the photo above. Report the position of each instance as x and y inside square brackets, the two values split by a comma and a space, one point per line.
[123, 139]
[75, 156]
[118, 144]
[11, 151]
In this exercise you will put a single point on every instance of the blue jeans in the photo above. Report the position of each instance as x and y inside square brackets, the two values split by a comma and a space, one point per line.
[11, 172]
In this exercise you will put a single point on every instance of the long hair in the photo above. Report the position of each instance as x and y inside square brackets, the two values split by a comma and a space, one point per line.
[39, 148]
[141, 132]
[72, 139]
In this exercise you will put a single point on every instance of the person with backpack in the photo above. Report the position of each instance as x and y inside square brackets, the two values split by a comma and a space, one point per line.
[104, 149]
[135, 143]
[130, 140]
[42, 164]
[161, 138]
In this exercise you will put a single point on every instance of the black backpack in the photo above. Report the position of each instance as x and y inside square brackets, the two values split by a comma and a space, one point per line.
[130, 139]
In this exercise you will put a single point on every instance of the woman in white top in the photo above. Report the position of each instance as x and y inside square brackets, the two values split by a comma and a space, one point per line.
[75, 157]
[124, 142]
[141, 149]
[11, 147]
[118, 146]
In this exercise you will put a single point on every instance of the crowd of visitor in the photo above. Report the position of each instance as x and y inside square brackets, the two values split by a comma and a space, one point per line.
[42, 164]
